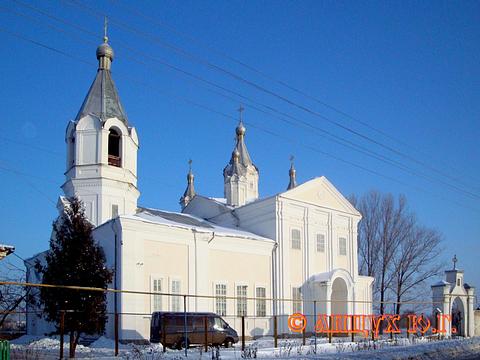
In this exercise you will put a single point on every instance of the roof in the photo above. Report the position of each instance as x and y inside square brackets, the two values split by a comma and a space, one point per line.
[102, 99]
[441, 283]
[186, 221]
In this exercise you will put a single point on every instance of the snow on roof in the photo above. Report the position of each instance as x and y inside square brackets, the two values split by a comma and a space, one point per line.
[220, 200]
[187, 221]
[441, 283]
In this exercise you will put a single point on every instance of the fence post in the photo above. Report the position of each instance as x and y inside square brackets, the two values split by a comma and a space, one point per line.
[330, 327]
[373, 331]
[116, 333]
[243, 332]
[205, 324]
[185, 323]
[62, 330]
[275, 334]
[164, 334]
[353, 328]
[315, 323]
[408, 327]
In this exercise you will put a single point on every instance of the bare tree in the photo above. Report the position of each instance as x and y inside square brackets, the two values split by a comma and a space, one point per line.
[393, 248]
[416, 261]
[395, 225]
[12, 297]
[369, 228]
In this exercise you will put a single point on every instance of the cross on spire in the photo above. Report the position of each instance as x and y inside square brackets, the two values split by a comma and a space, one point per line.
[105, 29]
[240, 111]
[190, 164]
[454, 260]
[291, 159]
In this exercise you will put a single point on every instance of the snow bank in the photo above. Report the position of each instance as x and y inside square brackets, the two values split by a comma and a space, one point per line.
[104, 343]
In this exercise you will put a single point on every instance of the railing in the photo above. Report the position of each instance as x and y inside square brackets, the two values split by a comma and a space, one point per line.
[315, 324]
[114, 160]
[4, 350]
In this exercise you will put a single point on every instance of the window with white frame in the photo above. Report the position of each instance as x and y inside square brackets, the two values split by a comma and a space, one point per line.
[176, 300]
[261, 302]
[296, 239]
[297, 300]
[156, 299]
[220, 299]
[242, 300]
[320, 243]
[342, 246]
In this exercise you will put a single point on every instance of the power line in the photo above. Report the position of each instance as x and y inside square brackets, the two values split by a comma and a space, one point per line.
[263, 74]
[324, 133]
[199, 105]
[207, 63]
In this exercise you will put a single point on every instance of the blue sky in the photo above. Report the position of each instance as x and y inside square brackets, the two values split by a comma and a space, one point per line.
[408, 69]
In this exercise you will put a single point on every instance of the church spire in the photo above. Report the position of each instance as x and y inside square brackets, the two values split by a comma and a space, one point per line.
[240, 175]
[292, 172]
[240, 146]
[189, 193]
[105, 51]
[102, 99]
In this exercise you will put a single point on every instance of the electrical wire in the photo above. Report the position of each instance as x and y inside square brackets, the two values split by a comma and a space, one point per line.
[326, 134]
[199, 105]
[261, 88]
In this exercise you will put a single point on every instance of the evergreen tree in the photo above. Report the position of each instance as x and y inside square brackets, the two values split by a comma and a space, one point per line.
[75, 259]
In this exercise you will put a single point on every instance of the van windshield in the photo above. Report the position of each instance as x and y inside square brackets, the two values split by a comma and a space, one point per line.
[220, 324]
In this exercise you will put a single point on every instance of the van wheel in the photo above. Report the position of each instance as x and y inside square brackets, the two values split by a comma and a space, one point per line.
[228, 342]
[181, 344]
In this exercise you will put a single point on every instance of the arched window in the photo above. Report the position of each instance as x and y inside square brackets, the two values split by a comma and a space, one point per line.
[114, 158]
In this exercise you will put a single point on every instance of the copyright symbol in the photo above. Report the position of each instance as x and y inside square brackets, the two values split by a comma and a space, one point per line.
[297, 322]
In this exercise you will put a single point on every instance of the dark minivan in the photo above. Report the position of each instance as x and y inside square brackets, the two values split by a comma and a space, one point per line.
[168, 328]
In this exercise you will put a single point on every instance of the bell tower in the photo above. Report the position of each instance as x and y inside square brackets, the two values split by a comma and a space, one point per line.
[102, 147]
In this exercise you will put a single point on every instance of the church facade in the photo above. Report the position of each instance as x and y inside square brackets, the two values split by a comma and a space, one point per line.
[300, 244]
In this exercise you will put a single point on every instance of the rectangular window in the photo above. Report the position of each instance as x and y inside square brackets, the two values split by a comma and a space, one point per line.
[176, 300]
[297, 300]
[342, 246]
[114, 211]
[261, 302]
[220, 299]
[242, 300]
[296, 239]
[320, 243]
[157, 299]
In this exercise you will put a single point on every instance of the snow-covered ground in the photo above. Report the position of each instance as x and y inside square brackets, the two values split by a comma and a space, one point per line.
[32, 347]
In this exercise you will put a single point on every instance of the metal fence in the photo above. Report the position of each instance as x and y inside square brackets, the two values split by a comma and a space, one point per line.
[308, 322]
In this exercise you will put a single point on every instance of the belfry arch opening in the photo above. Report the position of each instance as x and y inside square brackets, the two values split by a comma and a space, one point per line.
[114, 148]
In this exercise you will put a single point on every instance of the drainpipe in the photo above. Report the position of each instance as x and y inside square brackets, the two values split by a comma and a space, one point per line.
[115, 267]
[274, 277]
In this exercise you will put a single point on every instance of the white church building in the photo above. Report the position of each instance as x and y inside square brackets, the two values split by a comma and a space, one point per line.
[299, 244]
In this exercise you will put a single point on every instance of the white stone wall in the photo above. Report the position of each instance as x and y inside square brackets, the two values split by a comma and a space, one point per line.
[199, 260]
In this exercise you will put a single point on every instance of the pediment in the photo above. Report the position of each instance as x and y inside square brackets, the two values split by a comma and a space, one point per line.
[321, 192]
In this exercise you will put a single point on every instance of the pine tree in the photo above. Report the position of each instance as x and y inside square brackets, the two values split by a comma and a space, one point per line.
[75, 259]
